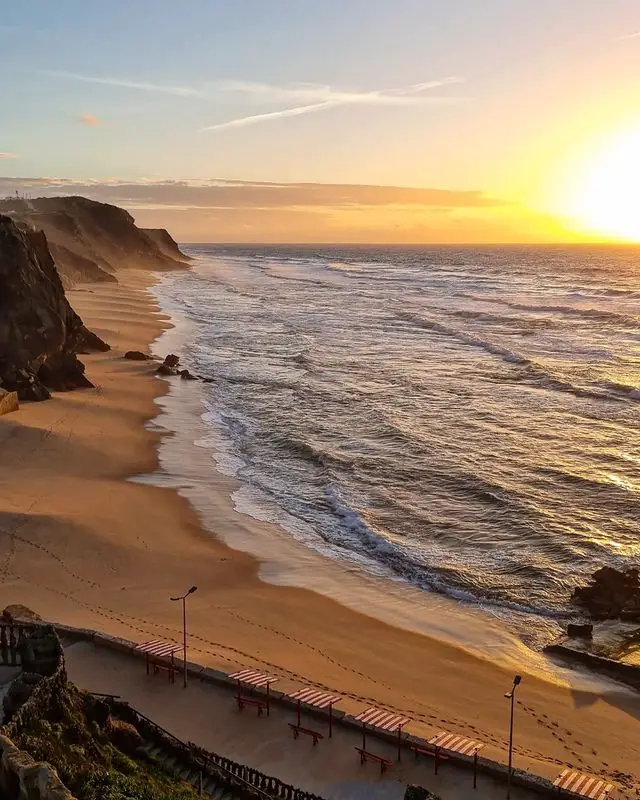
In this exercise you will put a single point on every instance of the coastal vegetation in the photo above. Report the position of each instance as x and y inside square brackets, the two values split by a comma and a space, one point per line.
[96, 756]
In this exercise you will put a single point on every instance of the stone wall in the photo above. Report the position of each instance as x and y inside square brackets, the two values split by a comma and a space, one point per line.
[31, 696]
[627, 673]
[22, 778]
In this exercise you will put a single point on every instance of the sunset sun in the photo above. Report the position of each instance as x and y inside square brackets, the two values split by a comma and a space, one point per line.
[603, 195]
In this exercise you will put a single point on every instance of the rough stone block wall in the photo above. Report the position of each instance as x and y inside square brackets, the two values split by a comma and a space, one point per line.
[22, 778]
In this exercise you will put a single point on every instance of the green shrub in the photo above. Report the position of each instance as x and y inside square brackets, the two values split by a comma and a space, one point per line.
[77, 740]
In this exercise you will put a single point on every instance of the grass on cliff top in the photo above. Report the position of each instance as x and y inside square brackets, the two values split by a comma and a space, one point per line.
[78, 741]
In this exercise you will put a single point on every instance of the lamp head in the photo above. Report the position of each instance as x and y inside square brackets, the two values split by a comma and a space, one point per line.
[194, 588]
[516, 682]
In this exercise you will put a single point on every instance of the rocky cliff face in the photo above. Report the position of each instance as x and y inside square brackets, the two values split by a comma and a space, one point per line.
[91, 241]
[40, 334]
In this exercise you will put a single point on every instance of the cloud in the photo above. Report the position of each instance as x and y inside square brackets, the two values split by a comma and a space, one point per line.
[218, 194]
[9, 155]
[90, 120]
[253, 119]
[180, 91]
[628, 36]
[319, 93]
[260, 211]
[325, 97]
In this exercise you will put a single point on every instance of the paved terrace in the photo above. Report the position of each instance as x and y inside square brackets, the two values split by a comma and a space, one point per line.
[207, 715]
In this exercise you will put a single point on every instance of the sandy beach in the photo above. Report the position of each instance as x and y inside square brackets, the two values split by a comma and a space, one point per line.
[83, 546]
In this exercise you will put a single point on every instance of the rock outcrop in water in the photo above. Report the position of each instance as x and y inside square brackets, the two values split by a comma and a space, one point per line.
[40, 334]
[91, 241]
[612, 594]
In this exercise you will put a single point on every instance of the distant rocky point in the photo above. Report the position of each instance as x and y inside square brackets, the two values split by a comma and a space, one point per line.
[47, 244]
[166, 243]
[91, 241]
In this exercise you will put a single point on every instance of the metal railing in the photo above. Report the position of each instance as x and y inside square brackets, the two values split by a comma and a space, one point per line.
[263, 787]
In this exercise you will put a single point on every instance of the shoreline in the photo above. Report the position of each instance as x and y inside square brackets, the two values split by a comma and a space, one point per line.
[112, 551]
[187, 465]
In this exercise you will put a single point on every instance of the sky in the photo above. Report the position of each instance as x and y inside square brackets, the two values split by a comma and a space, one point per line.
[330, 120]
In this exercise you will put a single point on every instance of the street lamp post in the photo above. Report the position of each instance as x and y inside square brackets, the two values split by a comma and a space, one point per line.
[511, 695]
[184, 628]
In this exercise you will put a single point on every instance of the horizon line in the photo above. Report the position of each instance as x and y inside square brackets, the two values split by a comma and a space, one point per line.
[559, 243]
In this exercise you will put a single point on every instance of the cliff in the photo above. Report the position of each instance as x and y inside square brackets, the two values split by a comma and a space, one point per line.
[166, 243]
[91, 241]
[40, 334]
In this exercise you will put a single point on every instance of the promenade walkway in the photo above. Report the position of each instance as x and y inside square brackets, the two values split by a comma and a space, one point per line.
[208, 716]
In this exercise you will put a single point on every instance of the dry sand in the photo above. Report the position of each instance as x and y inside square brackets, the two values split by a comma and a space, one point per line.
[82, 545]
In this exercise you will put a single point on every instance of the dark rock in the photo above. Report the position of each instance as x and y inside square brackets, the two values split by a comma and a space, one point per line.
[164, 369]
[206, 380]
[89, 342]
[612, 594]
[124, 736]
[136, 355]
[20, 613]
[172, 360]
[580, 631]
[187, 376]
[40, 333]
[413, 792]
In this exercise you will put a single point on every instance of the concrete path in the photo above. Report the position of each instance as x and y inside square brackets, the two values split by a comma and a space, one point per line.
[207, 715]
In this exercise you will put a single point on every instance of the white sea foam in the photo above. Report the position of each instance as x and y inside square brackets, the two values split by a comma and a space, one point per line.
[381, 413]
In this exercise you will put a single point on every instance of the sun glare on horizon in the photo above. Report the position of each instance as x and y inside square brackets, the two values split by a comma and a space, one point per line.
[602, 195]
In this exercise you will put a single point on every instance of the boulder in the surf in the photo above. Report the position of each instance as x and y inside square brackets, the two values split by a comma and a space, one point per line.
[611, 594]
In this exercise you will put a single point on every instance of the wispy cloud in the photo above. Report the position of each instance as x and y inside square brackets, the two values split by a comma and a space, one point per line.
[9, 155]
[90, 120]
[318, 93]
[635, 35]
[242, 122]
[325, 97]
[180, 91]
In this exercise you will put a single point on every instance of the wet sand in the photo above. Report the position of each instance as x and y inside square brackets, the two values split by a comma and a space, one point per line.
[84, 546]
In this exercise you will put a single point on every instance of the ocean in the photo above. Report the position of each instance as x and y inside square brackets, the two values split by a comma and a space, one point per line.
[465, 420]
